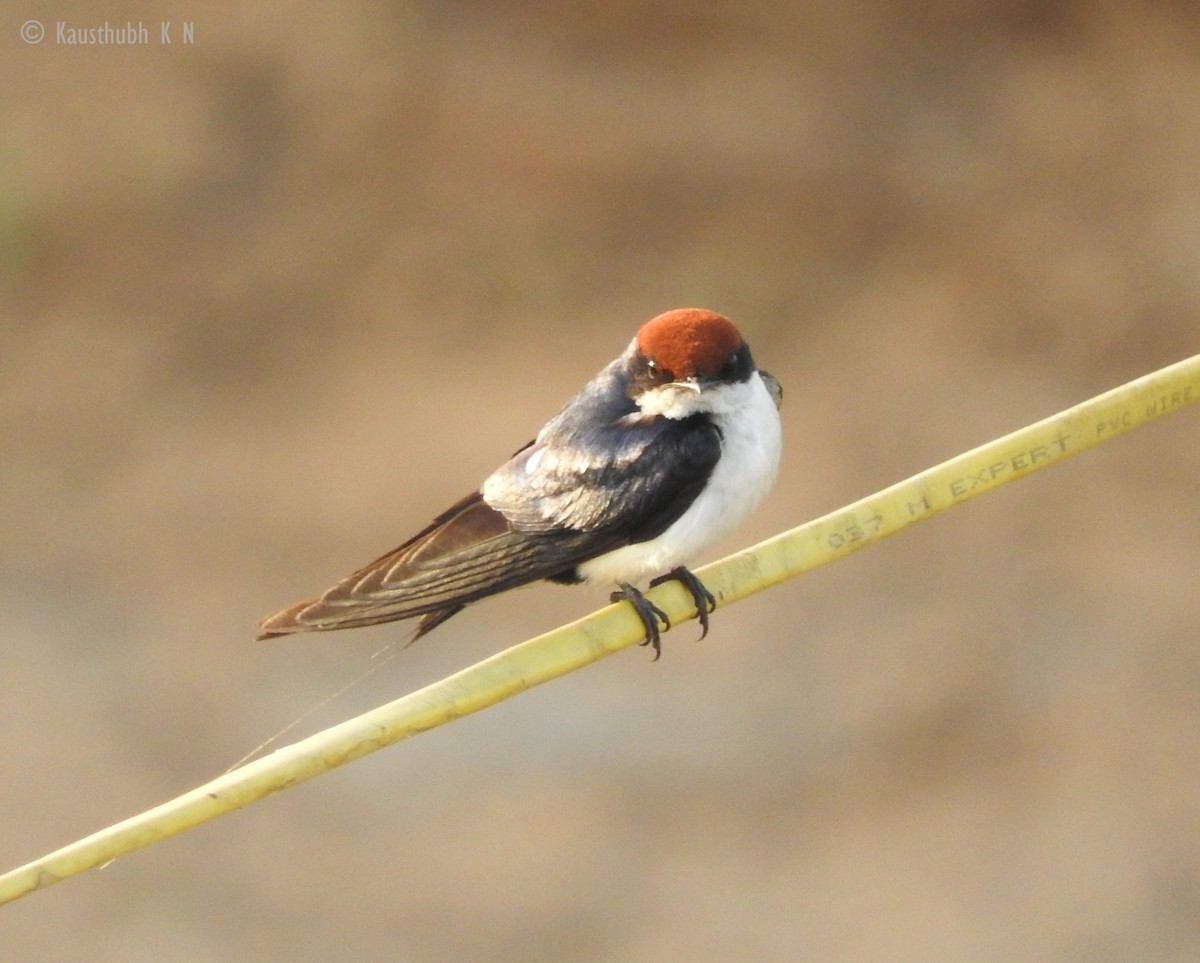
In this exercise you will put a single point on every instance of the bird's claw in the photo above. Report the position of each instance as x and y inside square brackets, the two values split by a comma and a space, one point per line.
[705, 601]
[650, 614]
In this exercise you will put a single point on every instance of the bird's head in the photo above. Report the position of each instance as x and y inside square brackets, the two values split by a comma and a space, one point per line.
[680, 360]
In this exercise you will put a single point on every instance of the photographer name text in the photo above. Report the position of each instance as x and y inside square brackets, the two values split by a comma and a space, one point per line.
[164, 33]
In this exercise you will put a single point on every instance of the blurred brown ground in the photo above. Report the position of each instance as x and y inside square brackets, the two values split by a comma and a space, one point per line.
[270, 300]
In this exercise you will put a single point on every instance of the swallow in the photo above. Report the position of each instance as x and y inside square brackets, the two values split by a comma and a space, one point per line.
[666, 450]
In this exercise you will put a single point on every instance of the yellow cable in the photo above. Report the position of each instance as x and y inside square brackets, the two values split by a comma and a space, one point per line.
[615, 627]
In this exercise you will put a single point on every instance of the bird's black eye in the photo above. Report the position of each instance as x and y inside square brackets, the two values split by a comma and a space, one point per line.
[738, 365]
[658, 374]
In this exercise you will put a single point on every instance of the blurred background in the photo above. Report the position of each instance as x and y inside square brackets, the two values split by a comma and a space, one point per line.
[272, 299]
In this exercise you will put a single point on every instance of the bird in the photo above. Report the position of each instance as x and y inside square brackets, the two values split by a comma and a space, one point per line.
[667, 449]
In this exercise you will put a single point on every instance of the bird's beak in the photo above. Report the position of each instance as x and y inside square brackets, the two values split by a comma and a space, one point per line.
[774, 388]
[690, 384]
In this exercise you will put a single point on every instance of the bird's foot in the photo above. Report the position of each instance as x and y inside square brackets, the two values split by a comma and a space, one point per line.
[705, 601]
[650, 614]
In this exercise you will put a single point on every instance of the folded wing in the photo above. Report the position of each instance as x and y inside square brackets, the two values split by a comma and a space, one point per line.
[466, 553]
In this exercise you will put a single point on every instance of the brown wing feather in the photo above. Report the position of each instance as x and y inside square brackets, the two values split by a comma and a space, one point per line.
[468, 552]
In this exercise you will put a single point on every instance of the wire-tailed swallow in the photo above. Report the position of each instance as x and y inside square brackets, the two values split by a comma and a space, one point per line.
[667, 449]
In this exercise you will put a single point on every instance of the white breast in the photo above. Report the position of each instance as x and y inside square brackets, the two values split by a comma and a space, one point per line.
[750, 445]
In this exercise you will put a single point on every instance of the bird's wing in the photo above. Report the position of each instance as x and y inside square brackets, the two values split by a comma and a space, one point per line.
[468, 552]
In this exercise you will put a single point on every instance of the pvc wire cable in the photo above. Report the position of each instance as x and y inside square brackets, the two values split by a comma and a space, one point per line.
[615, 627]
